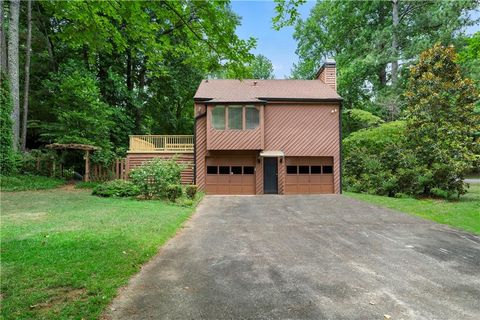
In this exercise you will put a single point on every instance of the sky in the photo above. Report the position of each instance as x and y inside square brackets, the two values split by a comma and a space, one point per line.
[278, 46]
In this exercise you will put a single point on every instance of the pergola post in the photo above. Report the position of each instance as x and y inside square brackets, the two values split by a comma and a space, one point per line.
[86, 178]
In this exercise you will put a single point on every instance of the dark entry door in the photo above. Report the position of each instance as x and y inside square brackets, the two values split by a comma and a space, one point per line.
[270, 183]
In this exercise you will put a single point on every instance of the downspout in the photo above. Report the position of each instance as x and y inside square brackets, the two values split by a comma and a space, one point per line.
[195, 145]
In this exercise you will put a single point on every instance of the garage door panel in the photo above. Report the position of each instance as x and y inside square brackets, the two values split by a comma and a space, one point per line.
[314, 181]
[235, 182]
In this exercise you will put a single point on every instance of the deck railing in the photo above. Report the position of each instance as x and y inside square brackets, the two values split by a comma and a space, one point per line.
[157, 143]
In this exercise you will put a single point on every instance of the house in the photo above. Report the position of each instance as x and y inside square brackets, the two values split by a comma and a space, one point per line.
[269, 136]
[258, 137]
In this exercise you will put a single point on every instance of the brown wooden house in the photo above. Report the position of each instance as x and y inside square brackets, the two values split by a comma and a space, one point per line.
[258, 137]
[269, 136]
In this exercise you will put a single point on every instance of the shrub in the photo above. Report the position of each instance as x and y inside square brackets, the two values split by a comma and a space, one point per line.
[356, 119]
[173, 192]
[191, 191]
[28, 182]
[116, 188]
[437, 192]
[154, 177]
[378, 161]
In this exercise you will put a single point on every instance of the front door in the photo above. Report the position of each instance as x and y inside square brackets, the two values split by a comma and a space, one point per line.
[270, 170]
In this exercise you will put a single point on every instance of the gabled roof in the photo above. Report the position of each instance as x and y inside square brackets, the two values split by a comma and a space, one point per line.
[249, 90]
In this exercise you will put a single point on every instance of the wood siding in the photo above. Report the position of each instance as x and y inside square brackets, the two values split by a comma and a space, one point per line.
[299, 130]
[200, 146]
[304, 131]
[137, 159]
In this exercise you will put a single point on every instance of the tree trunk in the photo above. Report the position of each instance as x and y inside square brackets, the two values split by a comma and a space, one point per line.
[13, 69]
[3, 45]
[395, 22]
[27, 75]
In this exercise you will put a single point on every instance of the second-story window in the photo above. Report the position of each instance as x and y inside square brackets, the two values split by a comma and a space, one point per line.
[252, 117]
[218, 117]
[235, 117]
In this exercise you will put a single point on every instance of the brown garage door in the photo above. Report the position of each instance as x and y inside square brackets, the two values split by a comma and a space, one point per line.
[230, 175]
[309, 175]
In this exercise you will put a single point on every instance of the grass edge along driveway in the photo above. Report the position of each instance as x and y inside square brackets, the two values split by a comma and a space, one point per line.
[463, 214]
[65, 253]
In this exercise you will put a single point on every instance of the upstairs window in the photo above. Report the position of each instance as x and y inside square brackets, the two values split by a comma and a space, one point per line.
[235, 117]
[218, 117]
[252, 117]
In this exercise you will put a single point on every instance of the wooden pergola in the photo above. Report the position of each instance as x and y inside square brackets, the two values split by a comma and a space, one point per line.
[77, 146]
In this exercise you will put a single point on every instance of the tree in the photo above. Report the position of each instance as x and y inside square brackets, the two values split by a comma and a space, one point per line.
[441, 119]
[3, 45]
[261, 68]
[27, 75]
[469, 57]
[7, 154]
[80, 115]
[13, 69]
[373, 42]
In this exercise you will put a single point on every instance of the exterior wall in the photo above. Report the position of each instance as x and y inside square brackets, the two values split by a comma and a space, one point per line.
[200, 146]
[281, 175]
[328, 75]
[304, 131]
[137, 159]
[259, 176]
[248, 139]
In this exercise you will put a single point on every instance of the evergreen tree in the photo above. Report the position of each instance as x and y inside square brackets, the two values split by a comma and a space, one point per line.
[441, 119]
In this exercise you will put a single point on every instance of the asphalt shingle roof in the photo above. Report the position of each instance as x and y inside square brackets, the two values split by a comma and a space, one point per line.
[248, 90]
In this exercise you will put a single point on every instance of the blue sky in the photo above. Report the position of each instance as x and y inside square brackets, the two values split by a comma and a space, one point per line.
[278, 46]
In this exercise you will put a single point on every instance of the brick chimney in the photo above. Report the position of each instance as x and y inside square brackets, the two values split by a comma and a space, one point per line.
[328, 73]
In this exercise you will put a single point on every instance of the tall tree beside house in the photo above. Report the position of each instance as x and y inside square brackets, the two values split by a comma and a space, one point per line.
[7, 154]
[13, 69]
[26, 86]
[3, 44]
[469, 57]
[373, 42]
[441, 119]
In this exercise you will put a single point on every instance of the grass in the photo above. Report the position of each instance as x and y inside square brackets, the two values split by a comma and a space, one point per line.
[463, 214]
[65, 253]
[28, 182]
[86, 185]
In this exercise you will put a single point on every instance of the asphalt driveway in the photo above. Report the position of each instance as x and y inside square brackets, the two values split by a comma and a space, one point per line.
[306, 257]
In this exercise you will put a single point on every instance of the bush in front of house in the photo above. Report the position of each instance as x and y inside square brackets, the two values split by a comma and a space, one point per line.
[191, 191]
[155, 178]
[116, 188]
[173, 192]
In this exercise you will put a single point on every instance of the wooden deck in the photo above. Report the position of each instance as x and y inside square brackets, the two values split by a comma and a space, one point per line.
[161, 144]
[145, 148]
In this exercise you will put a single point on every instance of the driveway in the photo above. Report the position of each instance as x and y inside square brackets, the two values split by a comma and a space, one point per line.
[306, 257]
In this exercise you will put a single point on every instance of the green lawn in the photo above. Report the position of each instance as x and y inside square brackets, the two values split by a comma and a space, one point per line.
[64, 253]
[463, 214]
